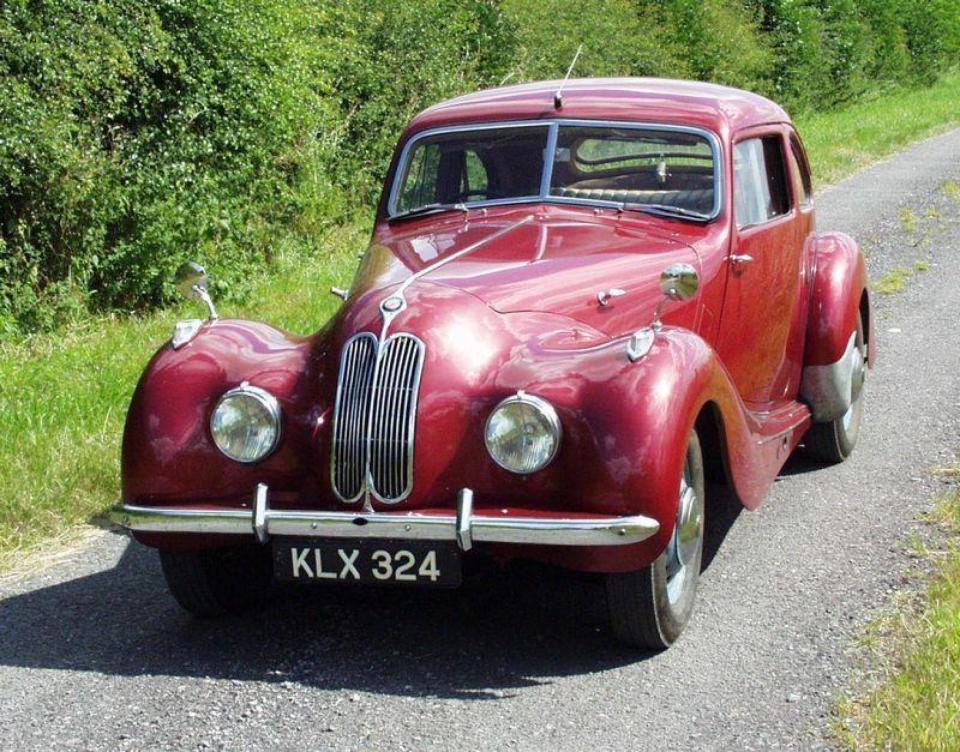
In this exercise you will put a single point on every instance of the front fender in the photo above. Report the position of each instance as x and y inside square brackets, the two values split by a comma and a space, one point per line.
[168, 455]
[840, 291]
[640, 419]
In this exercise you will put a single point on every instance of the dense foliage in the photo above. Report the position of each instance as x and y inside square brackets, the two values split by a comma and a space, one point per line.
[136, 134]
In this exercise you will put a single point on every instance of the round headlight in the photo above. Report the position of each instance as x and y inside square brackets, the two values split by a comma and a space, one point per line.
[246, 423]
[523, 434]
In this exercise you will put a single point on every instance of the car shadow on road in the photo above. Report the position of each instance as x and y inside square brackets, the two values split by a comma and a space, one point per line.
[504, 629]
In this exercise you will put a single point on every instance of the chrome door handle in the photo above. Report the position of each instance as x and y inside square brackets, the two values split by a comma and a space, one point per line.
[741, 259]
[604, 296]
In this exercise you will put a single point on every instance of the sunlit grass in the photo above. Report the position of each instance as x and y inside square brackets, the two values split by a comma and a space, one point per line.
[843, 141]
[893, 281]
[63, 397]
[916, 705]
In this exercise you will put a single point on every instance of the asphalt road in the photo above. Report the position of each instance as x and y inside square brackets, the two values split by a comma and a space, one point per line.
[95, 655]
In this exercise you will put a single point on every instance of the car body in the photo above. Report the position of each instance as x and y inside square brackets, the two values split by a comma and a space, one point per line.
[628, 267]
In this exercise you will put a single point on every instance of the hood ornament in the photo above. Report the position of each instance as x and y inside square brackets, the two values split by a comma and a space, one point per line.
[393, 304]
[677, 282]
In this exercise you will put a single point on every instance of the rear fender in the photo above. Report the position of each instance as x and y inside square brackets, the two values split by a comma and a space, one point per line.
[840, 291]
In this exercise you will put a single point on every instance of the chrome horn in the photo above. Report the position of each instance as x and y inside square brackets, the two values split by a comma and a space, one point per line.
[191, 281]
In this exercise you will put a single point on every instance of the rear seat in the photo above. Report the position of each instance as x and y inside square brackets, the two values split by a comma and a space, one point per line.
[700, 200]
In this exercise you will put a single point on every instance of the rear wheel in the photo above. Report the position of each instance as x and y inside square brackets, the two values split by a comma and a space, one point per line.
[833, 441]
[219, 581]
[650, 607]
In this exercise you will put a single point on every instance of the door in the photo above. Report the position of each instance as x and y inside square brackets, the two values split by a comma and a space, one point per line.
[764, 272]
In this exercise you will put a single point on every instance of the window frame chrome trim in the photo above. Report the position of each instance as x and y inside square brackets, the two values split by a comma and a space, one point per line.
[553, 126]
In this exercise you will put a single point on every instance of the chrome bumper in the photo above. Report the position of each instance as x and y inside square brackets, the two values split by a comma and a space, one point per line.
[464, 527]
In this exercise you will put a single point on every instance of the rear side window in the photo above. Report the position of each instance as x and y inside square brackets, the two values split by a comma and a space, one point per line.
[760, 181]
[800, 164]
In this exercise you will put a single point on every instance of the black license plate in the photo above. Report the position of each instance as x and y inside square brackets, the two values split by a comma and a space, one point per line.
[370, 562]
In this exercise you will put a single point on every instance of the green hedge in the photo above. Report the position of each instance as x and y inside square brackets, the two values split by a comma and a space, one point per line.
[136, 134]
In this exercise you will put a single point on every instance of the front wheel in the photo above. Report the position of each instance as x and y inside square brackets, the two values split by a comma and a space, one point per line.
[650, 607]
[219, 581]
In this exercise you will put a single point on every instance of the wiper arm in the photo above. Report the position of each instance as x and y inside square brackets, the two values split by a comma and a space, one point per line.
[665, 210]
[429, 209]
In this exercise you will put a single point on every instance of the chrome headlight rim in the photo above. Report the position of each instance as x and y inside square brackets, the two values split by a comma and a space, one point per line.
[546, 410]
[267, 401]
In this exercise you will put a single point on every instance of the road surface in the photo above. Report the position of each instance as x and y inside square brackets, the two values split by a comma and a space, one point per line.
[95, 655]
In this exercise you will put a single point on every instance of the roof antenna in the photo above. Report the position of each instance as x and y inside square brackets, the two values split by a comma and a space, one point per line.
[558, 96]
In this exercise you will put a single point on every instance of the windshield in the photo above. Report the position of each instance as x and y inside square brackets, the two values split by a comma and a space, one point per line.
[667, 169]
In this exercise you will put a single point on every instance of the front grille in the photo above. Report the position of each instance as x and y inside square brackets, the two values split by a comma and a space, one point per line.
[375, 417]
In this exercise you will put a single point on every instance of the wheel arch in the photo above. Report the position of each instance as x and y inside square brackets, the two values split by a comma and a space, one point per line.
[710, 430]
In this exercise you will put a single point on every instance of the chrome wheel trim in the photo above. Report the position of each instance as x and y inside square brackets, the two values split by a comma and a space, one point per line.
[682, 554]
[857, 379]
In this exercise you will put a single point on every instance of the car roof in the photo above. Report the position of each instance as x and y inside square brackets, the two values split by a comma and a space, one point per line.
[721, 109]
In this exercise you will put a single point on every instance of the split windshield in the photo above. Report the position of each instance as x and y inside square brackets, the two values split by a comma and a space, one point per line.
[667, 171]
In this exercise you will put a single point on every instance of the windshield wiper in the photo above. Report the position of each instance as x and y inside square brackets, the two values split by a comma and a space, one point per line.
[429, 209]
[664, 210]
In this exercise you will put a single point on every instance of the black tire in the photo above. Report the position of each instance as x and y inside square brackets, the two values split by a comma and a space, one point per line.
[220, 581]
[639, 603]
[832, 442]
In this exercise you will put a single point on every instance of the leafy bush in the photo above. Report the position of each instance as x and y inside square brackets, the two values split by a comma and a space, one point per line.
[136, 134]
[618, 40]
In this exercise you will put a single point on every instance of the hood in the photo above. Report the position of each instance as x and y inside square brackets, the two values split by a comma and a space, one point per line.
[554, 263]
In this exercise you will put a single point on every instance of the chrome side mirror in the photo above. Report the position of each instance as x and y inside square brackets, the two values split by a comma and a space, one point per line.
[679, 281]
[191, 281]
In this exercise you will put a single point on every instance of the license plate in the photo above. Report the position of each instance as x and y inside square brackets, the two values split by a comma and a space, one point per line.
[370, 562]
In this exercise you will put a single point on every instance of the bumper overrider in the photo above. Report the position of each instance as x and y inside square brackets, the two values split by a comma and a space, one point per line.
[464, 526]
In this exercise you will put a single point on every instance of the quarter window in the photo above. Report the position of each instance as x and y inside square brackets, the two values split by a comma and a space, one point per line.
[760, 181]
[800, 164]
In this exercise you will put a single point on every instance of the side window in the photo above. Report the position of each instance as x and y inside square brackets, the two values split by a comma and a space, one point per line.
[799, 163]
[760, 181]
[475, 184]
[420, 181]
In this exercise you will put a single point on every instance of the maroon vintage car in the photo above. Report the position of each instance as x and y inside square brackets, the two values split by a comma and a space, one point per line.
[578, 307]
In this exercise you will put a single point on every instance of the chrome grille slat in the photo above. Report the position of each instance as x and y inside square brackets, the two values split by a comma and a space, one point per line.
[375, 417]
[404, 411]
[395, 436]
[356, 366]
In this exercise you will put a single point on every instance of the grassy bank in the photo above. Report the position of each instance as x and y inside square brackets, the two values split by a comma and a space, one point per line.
[63, 396]
[917, 705]
[844, 141]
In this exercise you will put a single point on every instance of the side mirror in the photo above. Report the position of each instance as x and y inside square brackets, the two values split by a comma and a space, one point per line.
[679, 281]
[190, 278]
[191, 281]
